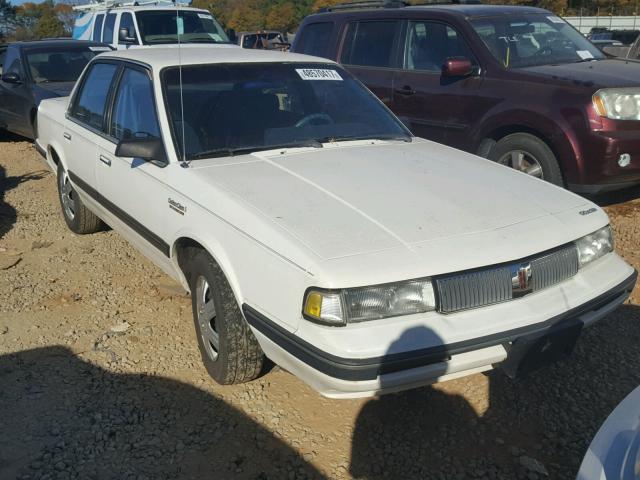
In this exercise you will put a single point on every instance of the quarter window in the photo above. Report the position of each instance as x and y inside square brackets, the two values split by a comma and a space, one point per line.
[109, 24]
[429, 44]
[92, 98]
[315, 39]
[97, 28]
[370, 43]
[134, 113]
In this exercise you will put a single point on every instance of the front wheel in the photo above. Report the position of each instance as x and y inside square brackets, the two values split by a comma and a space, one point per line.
[79, 218]
[527, 153]
[230, 352]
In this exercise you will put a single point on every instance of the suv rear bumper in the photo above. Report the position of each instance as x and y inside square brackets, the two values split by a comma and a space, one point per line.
[339, 377]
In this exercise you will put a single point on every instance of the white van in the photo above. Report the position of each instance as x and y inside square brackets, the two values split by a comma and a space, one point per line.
[125, 25]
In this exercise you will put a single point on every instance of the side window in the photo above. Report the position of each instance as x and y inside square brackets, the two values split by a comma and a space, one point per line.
[3, 53]
[370, 43]
[315, 38]
[91, 100]
[134, 112]
[429, 44]
[126, 21]
[12, 63]
[97, 28]
[109, 24]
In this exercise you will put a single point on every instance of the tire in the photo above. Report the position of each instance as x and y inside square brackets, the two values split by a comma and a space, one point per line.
[79, 218]
[230, 352]
[528, 154]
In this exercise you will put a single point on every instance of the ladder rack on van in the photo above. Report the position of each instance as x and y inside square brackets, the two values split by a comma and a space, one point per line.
[109, 4]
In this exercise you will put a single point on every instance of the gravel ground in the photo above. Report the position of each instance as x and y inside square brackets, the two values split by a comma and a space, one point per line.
[100, 377]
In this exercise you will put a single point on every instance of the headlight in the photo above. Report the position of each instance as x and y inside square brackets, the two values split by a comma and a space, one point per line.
[618, 103]
[339, 307]
[593, 246]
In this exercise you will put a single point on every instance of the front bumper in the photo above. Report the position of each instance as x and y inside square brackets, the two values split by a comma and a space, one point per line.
[339, 377]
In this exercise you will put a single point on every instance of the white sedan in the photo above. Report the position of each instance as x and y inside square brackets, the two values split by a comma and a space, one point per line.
[312, 228]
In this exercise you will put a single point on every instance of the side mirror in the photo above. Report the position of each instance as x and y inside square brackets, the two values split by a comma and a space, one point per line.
[231, 33]
[11, 77]
[148, 149]
[457, 67]
[125, 36]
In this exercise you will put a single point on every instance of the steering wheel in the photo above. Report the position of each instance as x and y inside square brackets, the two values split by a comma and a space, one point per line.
[312, 118]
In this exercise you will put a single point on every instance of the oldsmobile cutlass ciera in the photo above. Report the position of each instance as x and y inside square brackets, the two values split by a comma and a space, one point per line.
[312, 228]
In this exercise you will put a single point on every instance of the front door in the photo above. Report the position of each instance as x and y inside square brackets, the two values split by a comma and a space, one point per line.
[16, 99]
[433, 106]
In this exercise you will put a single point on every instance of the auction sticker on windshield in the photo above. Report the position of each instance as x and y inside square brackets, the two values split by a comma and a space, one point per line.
[318, 74]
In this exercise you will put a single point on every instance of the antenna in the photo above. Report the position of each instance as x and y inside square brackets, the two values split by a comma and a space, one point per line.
[183, 163]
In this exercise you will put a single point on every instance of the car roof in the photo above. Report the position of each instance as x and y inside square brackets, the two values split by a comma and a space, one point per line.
[139, 8]
[173, 55]
[463, 10]
[55, 42]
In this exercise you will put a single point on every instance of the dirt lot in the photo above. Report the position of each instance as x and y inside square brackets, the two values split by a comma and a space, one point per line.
[100, 377]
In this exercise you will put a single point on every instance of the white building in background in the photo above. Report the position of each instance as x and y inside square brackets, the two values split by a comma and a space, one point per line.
[585, 24]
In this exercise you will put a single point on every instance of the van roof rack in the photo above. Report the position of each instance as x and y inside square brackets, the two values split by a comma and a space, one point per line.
[109, 4]
[366, 4]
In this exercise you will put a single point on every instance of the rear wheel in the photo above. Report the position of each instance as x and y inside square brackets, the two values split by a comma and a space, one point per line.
[79, 218]
[527, 153]
[230, 352]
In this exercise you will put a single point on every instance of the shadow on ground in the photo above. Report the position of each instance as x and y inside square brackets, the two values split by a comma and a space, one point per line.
[616, 197]
[8, 214]
[65, 418]
[549, 417]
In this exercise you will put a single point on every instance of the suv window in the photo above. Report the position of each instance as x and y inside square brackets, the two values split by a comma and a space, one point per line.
[370, 43]
[3, 52]
[92, 98]
[126, 21]
[134, 113]
[429, 44]
[97, 28]
[314, 39]
[109, 24]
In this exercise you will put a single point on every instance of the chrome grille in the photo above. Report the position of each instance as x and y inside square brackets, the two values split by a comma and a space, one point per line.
[491, 285]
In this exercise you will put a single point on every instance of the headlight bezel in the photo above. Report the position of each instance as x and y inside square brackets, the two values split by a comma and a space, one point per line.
[604, 102]
[587, 241]
[429, 301]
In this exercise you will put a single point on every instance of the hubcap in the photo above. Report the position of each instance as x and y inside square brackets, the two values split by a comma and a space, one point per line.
[67, 195]
[523, 161]
[206, 311]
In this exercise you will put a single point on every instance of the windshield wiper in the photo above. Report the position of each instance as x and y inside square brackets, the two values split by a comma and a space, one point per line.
[403, 138]
[230, 152]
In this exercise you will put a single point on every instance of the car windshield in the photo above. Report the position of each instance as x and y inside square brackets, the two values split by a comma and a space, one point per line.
[239, 108]
[59, 64]
[163, 26]
[518, 41]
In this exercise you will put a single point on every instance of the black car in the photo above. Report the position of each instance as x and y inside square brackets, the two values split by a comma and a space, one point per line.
[33, 71]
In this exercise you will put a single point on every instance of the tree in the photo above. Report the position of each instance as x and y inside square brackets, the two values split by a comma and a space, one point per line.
[66, 15]
[49, 26]
[281, 17]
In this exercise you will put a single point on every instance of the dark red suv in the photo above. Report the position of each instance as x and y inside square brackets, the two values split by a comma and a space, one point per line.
[517, 85]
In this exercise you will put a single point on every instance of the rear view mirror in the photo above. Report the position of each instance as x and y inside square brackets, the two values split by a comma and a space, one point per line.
[457, 67]
[125, 36]
[149, 149]
[11, 77]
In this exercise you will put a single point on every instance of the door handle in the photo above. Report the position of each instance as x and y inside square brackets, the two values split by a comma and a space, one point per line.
[406, 90]
[67, 135]
[105, 160]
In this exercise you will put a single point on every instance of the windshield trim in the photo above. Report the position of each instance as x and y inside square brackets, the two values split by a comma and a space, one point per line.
[165, 97]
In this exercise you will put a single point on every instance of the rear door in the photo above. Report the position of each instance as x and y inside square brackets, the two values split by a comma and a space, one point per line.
[370, 52]
[433, 106]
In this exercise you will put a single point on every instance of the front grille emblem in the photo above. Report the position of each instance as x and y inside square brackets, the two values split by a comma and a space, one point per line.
[521, 277]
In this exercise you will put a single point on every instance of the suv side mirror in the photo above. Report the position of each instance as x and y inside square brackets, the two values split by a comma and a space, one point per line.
[11, 77]
[125, 36]
[457, 67]
[231, 33]
[148, 149]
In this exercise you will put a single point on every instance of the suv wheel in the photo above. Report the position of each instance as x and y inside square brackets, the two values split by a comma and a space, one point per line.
[230, 352]
[79, 218]
[528, 154]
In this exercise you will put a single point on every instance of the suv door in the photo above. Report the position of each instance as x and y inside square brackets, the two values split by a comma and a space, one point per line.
[370, 52]
[87, 124]
[134, 190]
[16, 99]
[434, 106]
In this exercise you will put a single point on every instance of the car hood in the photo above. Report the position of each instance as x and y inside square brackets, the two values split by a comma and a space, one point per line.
[596, 74]
[353, 199]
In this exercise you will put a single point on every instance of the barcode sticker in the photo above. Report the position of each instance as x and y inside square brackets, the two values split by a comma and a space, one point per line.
[555, 19]
[318, 74]
[99, 49]
[205, 15]
[584, 54]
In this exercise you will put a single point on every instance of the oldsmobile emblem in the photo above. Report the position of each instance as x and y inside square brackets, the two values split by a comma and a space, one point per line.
[177, 207]
[588, 211]
[521, 277]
